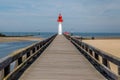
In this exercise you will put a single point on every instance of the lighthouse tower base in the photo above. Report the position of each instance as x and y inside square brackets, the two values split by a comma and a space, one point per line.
[60, 28]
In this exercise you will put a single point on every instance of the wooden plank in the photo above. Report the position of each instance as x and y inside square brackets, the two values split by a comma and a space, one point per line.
[103, 68]
[108, 56]
[61, 61]
[15, 73]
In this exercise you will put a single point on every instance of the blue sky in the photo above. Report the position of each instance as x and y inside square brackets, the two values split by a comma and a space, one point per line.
[41, 15]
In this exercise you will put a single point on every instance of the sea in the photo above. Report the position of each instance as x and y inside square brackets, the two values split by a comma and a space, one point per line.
[9, 47]
[97, 35]
[35, 34]
[48, 34]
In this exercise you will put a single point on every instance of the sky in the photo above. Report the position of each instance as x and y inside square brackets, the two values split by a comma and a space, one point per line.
[78, 15]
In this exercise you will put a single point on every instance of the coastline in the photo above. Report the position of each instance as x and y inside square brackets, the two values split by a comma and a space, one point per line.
[14, 39]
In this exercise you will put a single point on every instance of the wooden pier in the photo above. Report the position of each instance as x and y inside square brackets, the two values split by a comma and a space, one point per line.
[61, 61]
[60, 57]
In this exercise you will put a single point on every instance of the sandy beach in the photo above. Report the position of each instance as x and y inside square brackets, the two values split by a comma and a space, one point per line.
[13, 39]
[111, 46]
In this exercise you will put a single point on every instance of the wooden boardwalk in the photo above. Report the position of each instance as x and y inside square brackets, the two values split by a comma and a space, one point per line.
[61, 61]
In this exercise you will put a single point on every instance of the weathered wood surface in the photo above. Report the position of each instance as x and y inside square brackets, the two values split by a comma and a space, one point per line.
[100, 59]
[21, 58]
[61, 61]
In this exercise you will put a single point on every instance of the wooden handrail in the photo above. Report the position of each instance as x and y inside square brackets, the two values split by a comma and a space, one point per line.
[18, 57]
[93, 55]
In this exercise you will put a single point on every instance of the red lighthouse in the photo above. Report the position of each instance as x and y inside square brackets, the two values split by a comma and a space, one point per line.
[60, 20]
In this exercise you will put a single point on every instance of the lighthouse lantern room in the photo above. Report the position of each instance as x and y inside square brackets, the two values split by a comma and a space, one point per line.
[60, 20]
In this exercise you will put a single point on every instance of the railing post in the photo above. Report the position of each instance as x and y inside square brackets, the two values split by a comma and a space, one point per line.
[1, 74]
[28, 54]
[118, 70]
[105, 62]
[19, 60]
[38, 47]
[33, 50]
[40, 44]
[96, 56]
[80, 43]
[85, 47]
[82, 46]
[6, 70]
[90, 51]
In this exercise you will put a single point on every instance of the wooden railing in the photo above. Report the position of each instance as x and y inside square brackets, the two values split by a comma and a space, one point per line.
[101, 60]
[21, 58]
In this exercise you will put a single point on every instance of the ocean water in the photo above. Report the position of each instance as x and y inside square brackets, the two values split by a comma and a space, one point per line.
[97, 34]
[9, 47]
[35, 34]
[48, 34]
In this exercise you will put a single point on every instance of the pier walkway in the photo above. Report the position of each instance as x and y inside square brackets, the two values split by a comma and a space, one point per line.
[61, 61]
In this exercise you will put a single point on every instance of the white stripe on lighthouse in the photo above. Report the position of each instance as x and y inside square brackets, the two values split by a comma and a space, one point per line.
[60, 28]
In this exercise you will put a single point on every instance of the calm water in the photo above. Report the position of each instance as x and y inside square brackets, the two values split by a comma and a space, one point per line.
[36, 34]
[9, 47]
[48, 34]
[97, 34]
